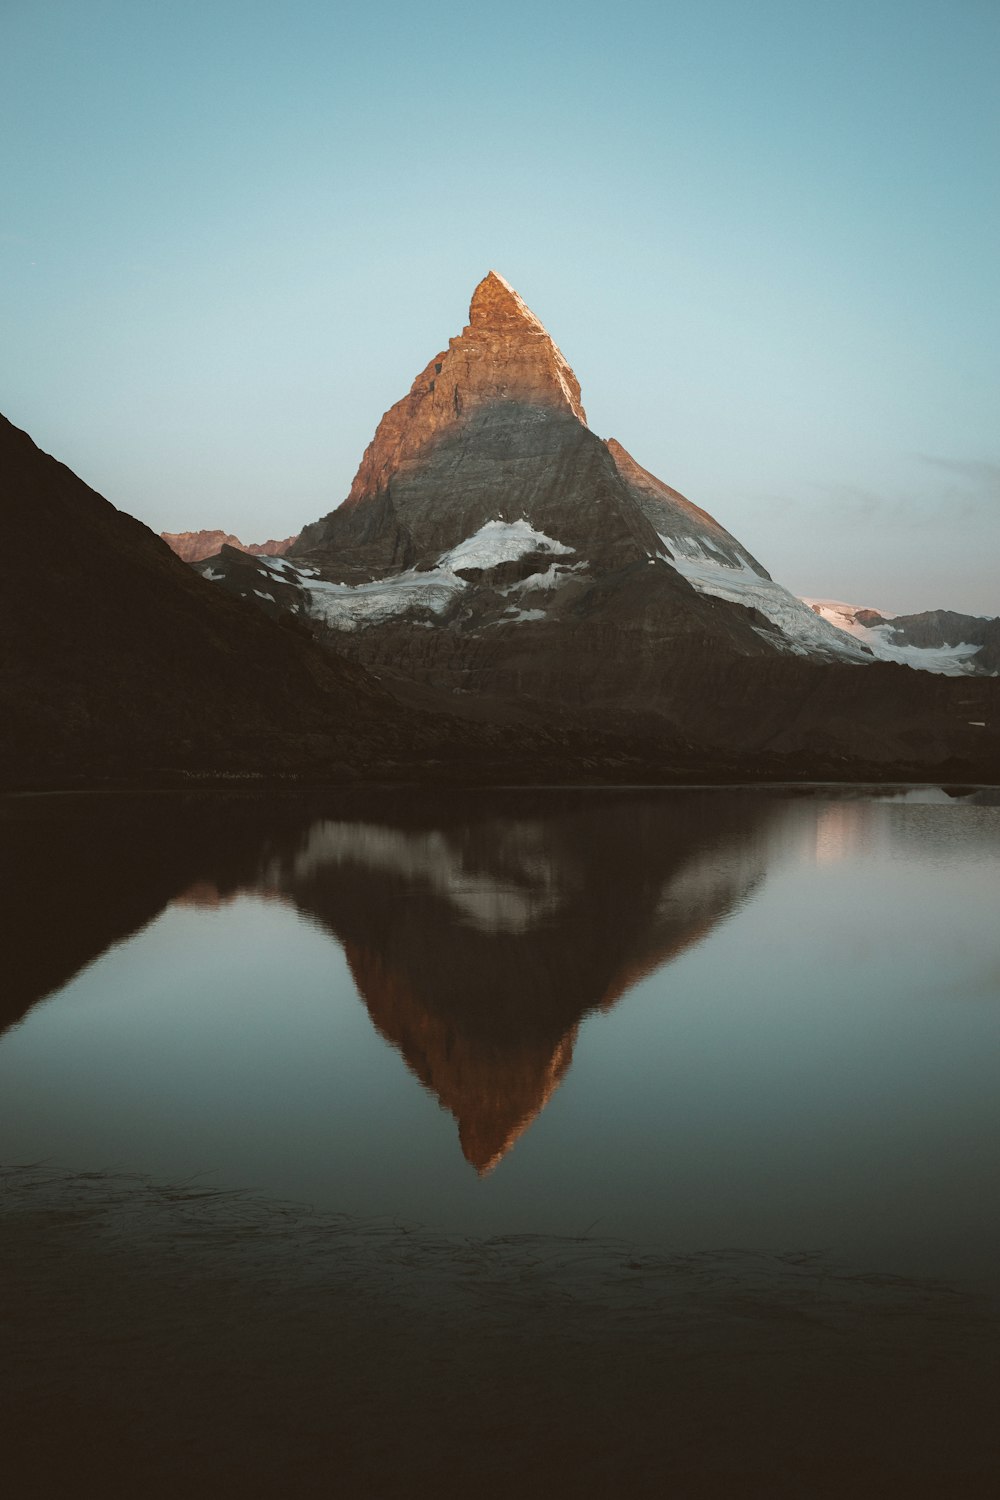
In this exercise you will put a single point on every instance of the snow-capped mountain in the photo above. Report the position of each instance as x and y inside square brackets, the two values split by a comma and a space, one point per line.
[497, 559]
[938, 640]
[484, 501]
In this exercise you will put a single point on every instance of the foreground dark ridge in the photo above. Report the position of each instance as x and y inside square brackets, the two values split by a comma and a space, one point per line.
[165, 1340]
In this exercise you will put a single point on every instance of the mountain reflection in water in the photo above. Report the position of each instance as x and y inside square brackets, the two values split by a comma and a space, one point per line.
[480, 928]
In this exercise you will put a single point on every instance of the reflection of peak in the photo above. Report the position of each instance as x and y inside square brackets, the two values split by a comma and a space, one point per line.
[480, 929]
[515, 892]
[479, 943]
[493, 1089]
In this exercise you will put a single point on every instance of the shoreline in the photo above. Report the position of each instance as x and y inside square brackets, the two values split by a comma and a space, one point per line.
[254, 786]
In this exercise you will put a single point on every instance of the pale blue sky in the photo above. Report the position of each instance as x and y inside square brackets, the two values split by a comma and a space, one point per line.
[765, 234]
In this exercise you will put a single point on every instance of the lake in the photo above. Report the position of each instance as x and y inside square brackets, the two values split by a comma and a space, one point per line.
[759, 1019]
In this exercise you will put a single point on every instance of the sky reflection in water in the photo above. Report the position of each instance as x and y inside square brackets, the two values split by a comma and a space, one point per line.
[709, 1019]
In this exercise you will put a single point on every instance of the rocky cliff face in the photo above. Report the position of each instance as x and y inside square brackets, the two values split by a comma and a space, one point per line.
[192, 546]
[491, 431]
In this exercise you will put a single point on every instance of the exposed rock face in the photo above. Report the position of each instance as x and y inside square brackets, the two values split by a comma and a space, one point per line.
[492, 429]
[192, 546]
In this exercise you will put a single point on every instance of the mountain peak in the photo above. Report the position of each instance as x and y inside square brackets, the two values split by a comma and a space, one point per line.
[496, 305]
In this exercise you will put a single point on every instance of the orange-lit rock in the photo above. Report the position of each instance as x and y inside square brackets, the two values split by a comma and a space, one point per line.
[193, 546]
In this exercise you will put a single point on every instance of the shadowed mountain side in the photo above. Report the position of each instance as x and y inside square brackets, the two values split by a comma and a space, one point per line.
[117, 659]
[479, 945]
[628, 661]
[502, 460]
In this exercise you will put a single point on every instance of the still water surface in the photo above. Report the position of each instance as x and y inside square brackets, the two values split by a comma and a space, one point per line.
[705, 1019]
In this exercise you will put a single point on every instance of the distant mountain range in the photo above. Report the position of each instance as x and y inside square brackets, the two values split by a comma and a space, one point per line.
[192, 546]
[938, 640]
[502, 596]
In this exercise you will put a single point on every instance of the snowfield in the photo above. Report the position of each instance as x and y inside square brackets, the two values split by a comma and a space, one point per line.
[948, 660]
[826, 628]
[345, 606]
[807, 634]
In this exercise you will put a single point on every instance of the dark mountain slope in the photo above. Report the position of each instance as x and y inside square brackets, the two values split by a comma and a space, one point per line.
[116, 658]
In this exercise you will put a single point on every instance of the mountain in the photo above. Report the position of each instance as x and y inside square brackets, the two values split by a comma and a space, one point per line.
[938, 640]
[496, 559]
[485, 499]
[117, 660]
[192, 546]
[118, 663]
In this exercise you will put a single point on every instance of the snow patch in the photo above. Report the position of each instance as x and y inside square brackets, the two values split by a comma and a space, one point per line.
[343, 606]
[550, 579]
[806, 633]
[514, 616]
[499, 542]
[281, 565]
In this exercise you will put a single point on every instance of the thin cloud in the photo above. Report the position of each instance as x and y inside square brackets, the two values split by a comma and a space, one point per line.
[984, 476]
[961, 490]
[854, 503]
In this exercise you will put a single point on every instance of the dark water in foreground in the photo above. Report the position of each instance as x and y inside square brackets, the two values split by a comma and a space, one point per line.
[701, 1019]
